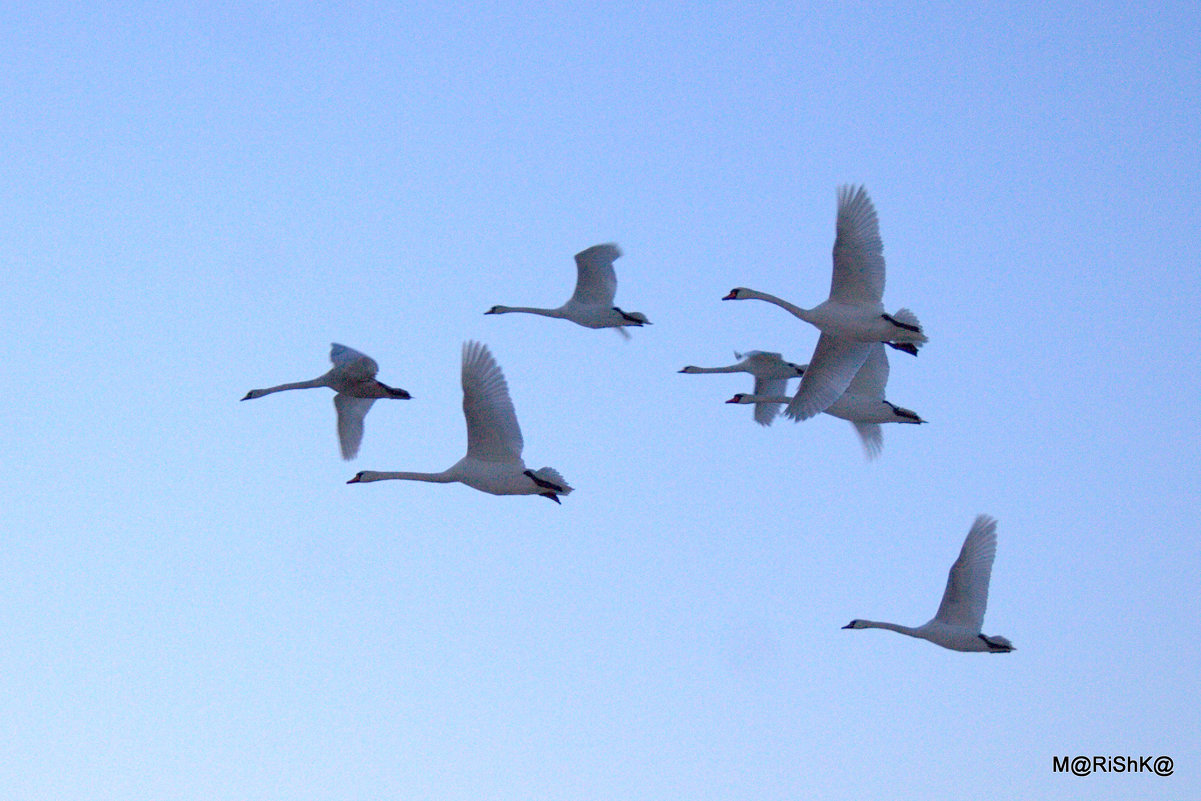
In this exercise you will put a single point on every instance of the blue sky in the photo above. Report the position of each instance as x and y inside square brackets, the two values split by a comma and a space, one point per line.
[197, 201]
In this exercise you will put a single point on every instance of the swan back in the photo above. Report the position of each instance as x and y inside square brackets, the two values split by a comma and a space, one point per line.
[596, 280]
[493, 434]
[858, 251]
[769, 364]
[966, 596]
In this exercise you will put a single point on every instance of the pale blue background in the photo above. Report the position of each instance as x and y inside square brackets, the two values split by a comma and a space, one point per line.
[197, 199]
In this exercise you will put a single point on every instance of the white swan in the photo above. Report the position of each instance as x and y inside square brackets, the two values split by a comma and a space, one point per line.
[771, 374]
[862, 404]
[853, 317]
[961, 613]
[493, 462]
[353, 378]
[591, 305]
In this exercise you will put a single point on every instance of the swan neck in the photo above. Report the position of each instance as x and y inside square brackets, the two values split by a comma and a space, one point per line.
[730, 369]
[804, 314]
[376, 475]
[766, 399]
[897, 627]
[316, 382]
[529, 310]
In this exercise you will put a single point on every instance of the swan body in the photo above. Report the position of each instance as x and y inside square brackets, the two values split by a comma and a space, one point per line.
[853, 317]
[493, 463]
[591, 305]
[771, 374]
[353, 379]
[863, 403]
[960, 616]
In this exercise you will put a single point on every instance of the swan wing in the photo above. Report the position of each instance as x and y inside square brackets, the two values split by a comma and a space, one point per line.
[351, 412]
[858, 250]
[771, 387]
[834, 365]
[871, 437]
[596, 280]
[492, 431]
[872, 377]
[966, 596]
[352, 364]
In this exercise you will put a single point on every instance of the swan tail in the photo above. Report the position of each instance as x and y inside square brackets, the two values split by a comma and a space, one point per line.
[548, 478]
[907, 320]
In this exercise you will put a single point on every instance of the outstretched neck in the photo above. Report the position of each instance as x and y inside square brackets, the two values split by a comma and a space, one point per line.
[526, 310]
[731, 369]
[792, 308]
[897, 627]
[258, 393]
[743, 397]
[364, 476]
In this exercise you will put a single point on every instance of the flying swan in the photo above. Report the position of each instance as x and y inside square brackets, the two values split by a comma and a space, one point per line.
[771, 374]
[862, 404]
[353, 378]
[853, 317]
[493, 462]
[591, 305]
[961, 613]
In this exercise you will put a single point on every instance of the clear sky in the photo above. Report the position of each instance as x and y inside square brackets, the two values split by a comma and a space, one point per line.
[198, 198]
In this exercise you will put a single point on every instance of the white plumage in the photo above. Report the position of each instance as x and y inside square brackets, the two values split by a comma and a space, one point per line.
[353, 378]
[493, 463]
[960, 616]
[853, 316]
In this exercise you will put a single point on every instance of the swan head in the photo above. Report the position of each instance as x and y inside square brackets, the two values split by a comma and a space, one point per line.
[741, 397]
[632, 318]
[738, 293]
[360, 477]
[997, 644]
[689, 369]
[497, 310]
[856, 624]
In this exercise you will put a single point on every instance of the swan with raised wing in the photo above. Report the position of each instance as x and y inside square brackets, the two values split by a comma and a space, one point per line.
[493, 463]
[591, 305]
[853, 317]
[863, 403]
[960, 616]
[353, 378]
[771, 374]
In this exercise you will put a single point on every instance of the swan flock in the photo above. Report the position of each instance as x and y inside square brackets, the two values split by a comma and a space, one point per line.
[845, 377]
